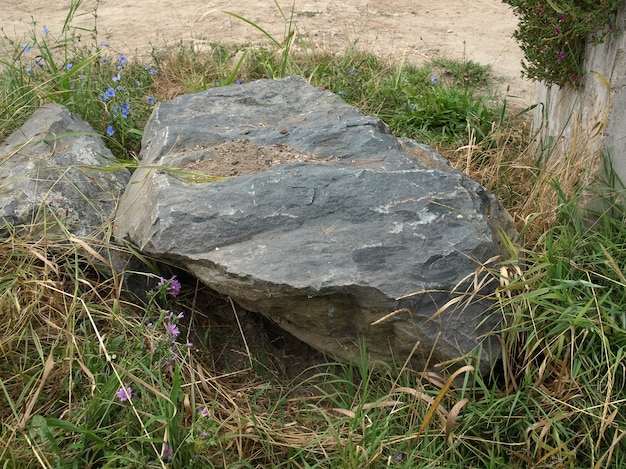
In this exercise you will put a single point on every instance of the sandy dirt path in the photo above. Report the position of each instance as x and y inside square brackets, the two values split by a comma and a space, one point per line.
[411, 30]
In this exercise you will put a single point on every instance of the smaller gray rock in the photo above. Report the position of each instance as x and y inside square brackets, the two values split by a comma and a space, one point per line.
[56, 167]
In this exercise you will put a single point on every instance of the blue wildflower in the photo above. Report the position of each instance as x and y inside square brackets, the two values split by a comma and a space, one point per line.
[239, 81]
[434, 80]
[109, 93]
[125, 110]
[110, 131]
[45, 30]
[150, 100]
[117, 77]
[26, 48]
[121, 59]
[68, 66]
[105, 44]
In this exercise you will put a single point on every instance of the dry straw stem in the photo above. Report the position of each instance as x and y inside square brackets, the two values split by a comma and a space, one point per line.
[574, 164]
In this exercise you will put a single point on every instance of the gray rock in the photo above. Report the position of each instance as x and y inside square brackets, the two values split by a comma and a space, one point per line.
[333, 244]
[56, 168]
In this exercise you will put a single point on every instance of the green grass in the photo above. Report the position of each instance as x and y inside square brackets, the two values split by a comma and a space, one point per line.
[71, 338]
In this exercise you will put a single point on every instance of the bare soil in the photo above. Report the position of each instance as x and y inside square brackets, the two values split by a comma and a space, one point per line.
[404, 30]
[241, 158]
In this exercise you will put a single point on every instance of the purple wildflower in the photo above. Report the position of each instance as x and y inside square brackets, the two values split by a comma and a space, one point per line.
[167, 452]
[173, 285]
[172, 329]
[124, 394]
[560, 55]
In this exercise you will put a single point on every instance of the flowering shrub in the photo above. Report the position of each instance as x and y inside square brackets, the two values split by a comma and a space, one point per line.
[553, 35]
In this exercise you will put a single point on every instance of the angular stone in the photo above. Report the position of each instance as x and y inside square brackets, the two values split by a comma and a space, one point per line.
[360, 238]
[55, 167]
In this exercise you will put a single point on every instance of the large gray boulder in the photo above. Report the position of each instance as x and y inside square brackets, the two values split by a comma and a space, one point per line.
[56, 169]
[348, 237]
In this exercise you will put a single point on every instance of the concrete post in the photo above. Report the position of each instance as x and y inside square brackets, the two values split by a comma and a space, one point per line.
[580, 129]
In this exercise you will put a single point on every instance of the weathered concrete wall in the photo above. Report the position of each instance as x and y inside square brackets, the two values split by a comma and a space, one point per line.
[589, 124]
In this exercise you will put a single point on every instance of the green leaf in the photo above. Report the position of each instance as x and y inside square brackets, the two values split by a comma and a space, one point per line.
[70, 427]
[555, 7]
